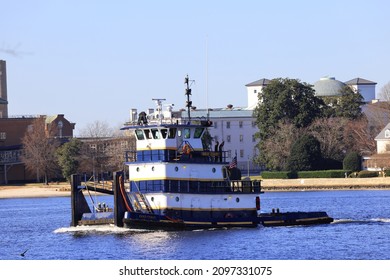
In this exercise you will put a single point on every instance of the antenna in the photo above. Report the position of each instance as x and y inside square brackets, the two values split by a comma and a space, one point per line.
[188, 93]
[207, 76]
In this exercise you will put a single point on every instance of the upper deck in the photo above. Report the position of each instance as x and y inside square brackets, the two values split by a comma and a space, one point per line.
[173, 141]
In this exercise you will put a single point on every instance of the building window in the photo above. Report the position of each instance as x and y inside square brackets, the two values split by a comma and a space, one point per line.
[255, 91]
[241, 153]
[227, 124]
[241, 138]
[3, 135]
[253, 138]
[387, 133]
[240, 124]
[387, 147]
[229, 153]
[228, 138]
[215, 124]
[253, 124]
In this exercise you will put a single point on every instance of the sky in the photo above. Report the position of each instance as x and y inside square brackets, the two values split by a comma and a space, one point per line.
[96, 60]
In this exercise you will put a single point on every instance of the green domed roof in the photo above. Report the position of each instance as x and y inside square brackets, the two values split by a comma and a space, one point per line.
[328, 86]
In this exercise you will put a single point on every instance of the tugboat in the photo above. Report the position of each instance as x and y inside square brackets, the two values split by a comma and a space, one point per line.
[175, 181]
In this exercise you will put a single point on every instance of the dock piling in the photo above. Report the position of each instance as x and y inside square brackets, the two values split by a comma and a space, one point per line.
[78, 201]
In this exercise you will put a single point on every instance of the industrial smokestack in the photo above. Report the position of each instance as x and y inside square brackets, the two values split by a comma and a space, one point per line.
[3, 90]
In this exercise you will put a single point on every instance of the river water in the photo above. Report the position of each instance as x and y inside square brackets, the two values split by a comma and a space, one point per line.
[360, 232]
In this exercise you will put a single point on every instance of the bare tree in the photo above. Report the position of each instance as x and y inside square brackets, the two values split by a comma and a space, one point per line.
[97, 129]
[384, 94]
[39, 149]
[117, 149]
[95, 137]
[104, 148]
[276, 148]
[360, 136]
[381, 161]
[330, 133]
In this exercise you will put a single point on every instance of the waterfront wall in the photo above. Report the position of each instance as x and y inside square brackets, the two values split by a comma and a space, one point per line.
[325, 184]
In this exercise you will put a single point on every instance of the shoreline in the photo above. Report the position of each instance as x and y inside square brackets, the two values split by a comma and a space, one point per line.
[268, 185]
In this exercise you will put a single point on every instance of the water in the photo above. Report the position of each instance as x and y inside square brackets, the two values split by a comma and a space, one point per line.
[360, 231]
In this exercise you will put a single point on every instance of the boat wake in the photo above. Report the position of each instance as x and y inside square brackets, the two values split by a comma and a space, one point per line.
[99, 229]
[366, 221]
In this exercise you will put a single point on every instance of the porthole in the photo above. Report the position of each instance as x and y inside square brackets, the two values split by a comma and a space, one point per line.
[152, 168]
[177, 199]
[213, 170]
[137, 169]
[176, 168]
[152, 198]
[237, 199]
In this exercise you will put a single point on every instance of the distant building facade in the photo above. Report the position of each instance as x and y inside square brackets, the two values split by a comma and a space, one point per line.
[381, 160]
[330, 87]
[12, 131]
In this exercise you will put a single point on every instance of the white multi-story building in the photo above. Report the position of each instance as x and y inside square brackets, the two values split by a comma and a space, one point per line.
[235, 129]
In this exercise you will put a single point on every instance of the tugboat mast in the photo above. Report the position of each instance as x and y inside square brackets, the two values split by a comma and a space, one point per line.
[188, 93]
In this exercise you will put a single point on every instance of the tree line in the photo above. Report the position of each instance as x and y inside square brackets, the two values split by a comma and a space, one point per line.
[98, 151]
[300, 131]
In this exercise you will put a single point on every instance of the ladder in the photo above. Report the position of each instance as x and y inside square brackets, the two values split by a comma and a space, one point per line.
[140, 203]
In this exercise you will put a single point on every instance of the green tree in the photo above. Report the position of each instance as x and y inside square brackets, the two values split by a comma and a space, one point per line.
[348, 105]
[353, 162]
[286, 100]
[68, 156]
[283, 101]
[305, 154]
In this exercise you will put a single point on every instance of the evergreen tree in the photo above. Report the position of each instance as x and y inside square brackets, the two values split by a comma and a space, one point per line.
[305, 154]
[284, 101]
[68, 157]
[348, 105]
[352, 162]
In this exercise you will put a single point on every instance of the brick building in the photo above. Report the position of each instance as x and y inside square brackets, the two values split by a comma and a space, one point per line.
[12, 131]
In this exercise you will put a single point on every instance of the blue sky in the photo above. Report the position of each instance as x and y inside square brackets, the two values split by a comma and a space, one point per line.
[95, 60]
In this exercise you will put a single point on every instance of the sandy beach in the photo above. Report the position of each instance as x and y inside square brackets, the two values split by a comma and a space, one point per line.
[34, 190]
[63, 189]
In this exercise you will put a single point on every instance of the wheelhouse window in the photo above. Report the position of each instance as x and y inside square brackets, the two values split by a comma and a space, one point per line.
[139, 134]
[164, 133]
[155, 133]
[187, 133]
[148, 134]
[172, 133]
[198, 132]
